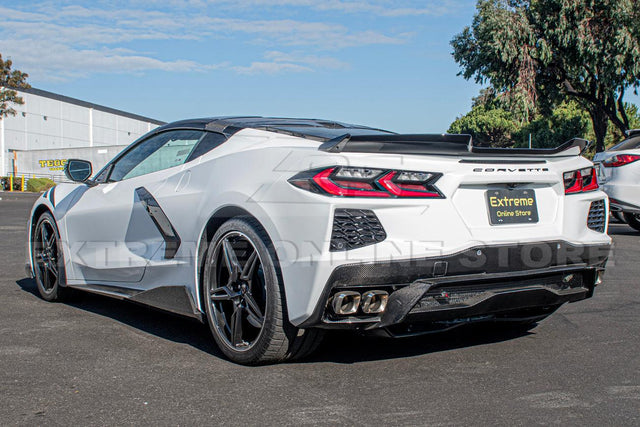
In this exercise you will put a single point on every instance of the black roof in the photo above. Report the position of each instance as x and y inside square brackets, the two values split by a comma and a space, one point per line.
[316, 129]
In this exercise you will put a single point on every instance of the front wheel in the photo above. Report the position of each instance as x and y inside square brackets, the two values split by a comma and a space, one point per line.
[47, 259]
[633, 220]
[244, 297]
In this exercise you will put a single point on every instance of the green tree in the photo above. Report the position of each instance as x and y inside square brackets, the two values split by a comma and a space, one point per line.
[565, 122]
[541, 52]
[633, 114]
[616, 135]
[488, 126]
[9, 81]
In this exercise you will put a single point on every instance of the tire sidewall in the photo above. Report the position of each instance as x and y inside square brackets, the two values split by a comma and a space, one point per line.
[57, 291]
[632, 220]
[273, 292]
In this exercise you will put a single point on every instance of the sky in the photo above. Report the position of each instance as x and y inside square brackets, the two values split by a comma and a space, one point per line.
[380, 63]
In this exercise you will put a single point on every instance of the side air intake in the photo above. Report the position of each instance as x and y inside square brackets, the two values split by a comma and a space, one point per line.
[597, 216]
[355, 228]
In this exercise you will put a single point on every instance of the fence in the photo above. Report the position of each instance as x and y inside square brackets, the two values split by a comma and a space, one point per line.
[20, 180]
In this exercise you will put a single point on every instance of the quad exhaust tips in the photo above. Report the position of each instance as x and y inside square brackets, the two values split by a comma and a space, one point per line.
[348, 302]
[374, 302]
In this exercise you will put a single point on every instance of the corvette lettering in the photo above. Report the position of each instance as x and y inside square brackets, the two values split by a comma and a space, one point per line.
[511, 169]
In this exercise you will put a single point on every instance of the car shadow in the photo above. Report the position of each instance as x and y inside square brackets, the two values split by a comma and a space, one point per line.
[349, 348]
[162, 324]
[622, 230]
[344, 347]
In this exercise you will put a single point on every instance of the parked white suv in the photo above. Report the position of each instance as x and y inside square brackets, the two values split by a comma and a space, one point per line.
[619, 176]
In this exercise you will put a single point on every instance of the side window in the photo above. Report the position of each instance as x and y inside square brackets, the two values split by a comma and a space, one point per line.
[103, 175]
[210, 141]
[162, 151]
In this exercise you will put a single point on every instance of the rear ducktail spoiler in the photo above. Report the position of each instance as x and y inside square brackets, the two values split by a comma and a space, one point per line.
[443, 145]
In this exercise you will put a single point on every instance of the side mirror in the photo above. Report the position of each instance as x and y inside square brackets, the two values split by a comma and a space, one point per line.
[78, 170]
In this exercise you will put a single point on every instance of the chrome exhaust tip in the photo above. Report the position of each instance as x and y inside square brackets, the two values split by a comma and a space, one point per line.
[346, 302]
[374, 302]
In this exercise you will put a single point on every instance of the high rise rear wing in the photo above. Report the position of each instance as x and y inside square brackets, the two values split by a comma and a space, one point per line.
[442, 145]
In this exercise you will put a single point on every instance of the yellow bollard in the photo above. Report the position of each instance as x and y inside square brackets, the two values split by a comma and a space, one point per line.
[23, 187]
[11, 183]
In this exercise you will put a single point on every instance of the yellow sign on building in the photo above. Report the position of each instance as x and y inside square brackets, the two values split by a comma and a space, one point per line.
[54, 164]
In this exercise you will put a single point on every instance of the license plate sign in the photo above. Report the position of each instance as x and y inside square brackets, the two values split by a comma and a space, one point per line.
[516, 206]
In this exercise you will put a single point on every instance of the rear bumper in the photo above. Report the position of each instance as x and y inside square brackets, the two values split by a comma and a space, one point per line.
[482, 283]
[622, 198]
[442, 306]
[620, 206]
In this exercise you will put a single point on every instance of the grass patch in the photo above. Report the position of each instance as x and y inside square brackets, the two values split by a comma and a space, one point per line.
[37, 185]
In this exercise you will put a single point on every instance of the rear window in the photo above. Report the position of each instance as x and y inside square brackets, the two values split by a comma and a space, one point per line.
[627, 144]
[210, 141]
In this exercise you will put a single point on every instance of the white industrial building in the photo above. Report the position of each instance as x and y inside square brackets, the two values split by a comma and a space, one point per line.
[49, 128]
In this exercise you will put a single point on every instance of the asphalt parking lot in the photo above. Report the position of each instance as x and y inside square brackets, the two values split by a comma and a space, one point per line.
[97, 361]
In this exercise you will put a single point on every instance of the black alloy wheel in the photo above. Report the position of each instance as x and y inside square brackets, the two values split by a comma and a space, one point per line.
[238, 301]
[244, 298]
[47, 258]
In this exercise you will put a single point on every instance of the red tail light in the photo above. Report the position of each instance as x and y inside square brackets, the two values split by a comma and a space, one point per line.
[394, 184]
[620, 160]
[366, 182]
[580, 181]
[346, 188]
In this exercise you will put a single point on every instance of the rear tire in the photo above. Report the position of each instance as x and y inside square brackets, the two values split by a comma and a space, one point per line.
[48, 259]
[245, 300]
[633, 220]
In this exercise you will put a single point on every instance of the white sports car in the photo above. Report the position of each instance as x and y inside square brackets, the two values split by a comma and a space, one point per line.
[619, 175]
[275, 230]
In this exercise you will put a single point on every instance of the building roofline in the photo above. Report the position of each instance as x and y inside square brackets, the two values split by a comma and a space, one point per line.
[74, 101]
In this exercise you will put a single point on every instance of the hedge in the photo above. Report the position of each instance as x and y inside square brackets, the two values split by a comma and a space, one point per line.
[5, 180]
[39, 184]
